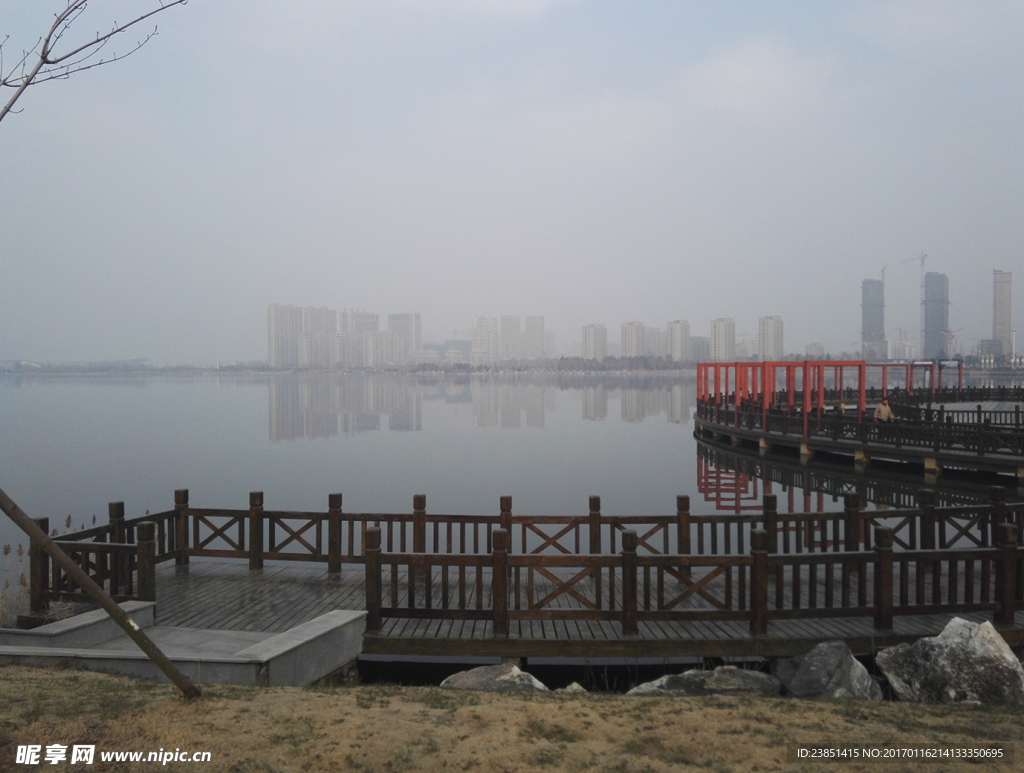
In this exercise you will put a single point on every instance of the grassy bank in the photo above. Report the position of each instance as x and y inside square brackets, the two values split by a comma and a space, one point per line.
[389, 728]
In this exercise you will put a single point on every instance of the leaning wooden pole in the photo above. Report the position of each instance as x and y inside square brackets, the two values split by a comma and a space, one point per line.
[97, 594]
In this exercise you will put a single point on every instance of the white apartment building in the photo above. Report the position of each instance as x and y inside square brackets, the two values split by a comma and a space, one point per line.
[769, 338]
[723, 339]
[533, 338]
[485, 340]
[679, 340]
[632, 339]
[510, 338]
[595, 342]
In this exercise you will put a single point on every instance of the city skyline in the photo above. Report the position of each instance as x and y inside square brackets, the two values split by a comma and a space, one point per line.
[588, 162]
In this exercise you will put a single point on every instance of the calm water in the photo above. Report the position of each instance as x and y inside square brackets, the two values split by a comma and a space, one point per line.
[70, 445]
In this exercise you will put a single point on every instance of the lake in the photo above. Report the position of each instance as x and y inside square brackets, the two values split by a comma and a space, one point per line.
[71, 444]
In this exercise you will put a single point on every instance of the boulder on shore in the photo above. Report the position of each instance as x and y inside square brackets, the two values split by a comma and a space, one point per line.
[828, 671]
[724, 680]
[501, 678]
[966, 663]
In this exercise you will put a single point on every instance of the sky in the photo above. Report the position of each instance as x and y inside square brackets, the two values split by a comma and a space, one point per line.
[588, 161]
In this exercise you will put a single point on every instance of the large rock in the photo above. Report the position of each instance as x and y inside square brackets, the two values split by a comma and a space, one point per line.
[502, 678]
[967, 662]
[828, 671]
[724, 680]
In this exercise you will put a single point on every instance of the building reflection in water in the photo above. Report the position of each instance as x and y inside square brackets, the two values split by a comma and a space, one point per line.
[735, 483]
[325, 404]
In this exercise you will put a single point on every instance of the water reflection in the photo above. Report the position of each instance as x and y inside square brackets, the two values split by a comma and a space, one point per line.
[324, 405]
[735, 482]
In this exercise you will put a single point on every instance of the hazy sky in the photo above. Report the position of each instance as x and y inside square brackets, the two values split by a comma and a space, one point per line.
[589, 161]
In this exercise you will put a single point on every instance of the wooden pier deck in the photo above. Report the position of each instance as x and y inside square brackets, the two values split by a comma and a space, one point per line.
[228, 595]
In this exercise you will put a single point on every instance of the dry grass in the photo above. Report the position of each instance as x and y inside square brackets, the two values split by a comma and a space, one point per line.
[385, 728]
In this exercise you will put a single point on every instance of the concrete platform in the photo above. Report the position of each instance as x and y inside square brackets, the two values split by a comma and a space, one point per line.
[94, 642]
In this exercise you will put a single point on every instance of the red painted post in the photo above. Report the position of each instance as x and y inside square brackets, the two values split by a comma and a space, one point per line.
[931, 381]
[790, 386]
[885, 380]
[765, 391]
[718, 383]
[861, 392]
[910, 376]
[806, 388]
[820, 367]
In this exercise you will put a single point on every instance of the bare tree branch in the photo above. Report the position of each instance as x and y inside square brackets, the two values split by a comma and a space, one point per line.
[43, 62]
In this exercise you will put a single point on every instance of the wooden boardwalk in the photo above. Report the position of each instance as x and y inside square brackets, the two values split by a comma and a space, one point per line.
[228, 595]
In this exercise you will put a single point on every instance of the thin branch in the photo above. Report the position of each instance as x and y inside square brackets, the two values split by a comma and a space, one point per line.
[52, 66]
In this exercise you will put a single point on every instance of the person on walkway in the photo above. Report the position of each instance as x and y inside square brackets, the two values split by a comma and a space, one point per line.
[883, 412]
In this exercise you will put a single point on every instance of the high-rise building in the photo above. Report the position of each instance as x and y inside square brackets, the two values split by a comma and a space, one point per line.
[407, 327]
[723, 339]
[769, 338]
[510, 339]
[655, 342]
[872, 320]
[679, 340]
[814, 351]
[700, 348]
[550, 344]
[632, 339]
[284, 326]
[1002, 326]
[358, 322]
[485, 340]
[533, 338]
[936, 315]
[595, 342]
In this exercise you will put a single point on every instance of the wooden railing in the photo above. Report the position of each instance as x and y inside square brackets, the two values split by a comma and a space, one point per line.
[947, 435]
[572, 567]
[806, 565]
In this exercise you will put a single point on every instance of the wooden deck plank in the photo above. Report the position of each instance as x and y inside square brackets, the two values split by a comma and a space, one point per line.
[220, 594]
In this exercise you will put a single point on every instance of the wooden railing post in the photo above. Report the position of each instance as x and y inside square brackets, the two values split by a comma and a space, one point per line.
[499, 580]
[371, 551]
[118, 562]
[1006, 574]
[629, 565]
[595, 526]
[883, 578]
[997, 511]
[851, 516]
[505, 520]
[38, 569]
[419, 523]
[255, 529]
[759, 582]
[926, 502]
[181, 526]
[333, 533]
[683, 531]
[771, 521]
[145, 552]
[683, 525]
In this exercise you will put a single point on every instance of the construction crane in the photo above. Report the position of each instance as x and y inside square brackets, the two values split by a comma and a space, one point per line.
[920, 348]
